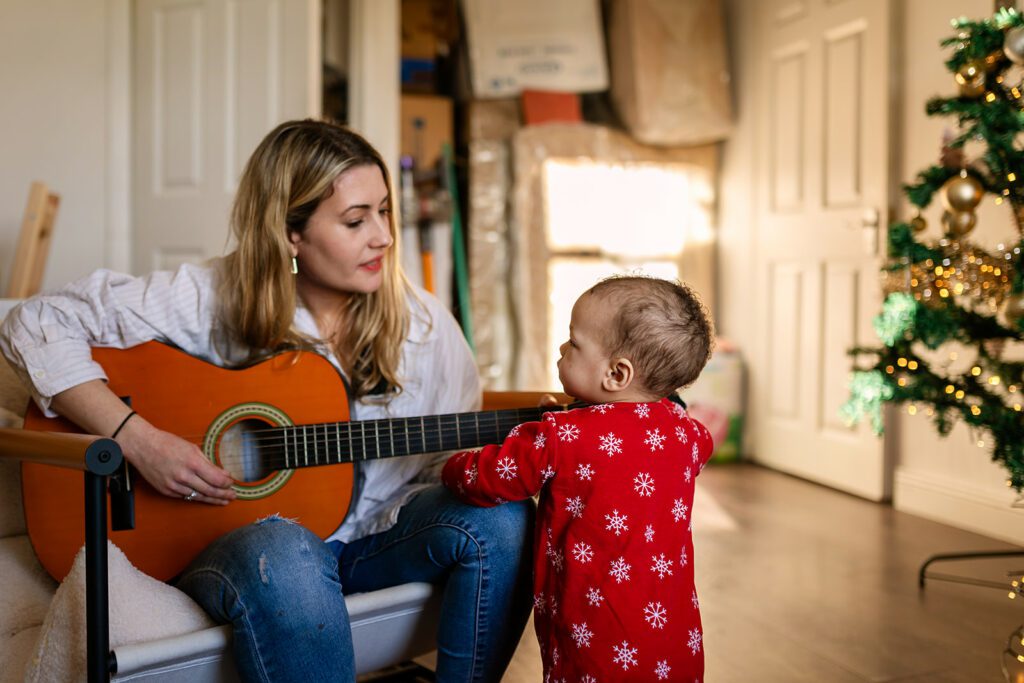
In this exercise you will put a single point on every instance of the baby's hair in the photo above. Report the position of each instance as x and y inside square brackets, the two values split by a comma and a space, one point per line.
[661, 326]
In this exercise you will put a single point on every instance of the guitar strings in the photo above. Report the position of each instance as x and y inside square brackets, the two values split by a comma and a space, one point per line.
[292, 445]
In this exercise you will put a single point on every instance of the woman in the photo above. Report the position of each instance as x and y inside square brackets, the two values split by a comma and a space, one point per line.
[316, 267]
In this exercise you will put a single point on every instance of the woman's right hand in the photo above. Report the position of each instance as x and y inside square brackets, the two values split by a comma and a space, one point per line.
[172, 465]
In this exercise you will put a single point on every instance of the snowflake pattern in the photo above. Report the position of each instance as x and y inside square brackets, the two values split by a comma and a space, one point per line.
[617, 522]
[679, 410]
[695, 640]
[620, 570]
[568, 433]
[687, 475]
[587, 678]
[661, 565]
[594, 597]
[585, 472]
[582, 552]
[506, 468]
[556, 557]
[539, 441]
[681, 435]
[679, 509]
[655, 440]
[655, 615]
[547, 473]
[611, 444]
[643, 483]
[694, 600]
[539, 603]
[643, 410]
[601, 408]
[661, 671]
[471, 474]
[624, 655]
[581, 634]
[683, 559]
[515, 430]
[574, 506]
[649, 533]
[695, 453]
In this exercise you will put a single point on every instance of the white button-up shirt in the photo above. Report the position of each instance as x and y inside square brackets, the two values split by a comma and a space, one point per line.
[47, 340]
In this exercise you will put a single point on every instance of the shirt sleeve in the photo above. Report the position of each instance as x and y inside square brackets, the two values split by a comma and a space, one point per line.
[47, 339]
[451, 381]
[515, 470]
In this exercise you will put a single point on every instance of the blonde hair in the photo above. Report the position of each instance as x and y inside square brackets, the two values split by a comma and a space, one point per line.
[292, 170]
[661, 326]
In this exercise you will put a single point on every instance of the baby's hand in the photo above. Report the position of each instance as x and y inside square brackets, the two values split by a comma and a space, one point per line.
[547, 401]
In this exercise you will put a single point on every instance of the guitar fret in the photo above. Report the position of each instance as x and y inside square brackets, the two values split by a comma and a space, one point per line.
[376, 438]
[305, 444]
[285, 443]
[337, 442]
[362, 432]
[405, 423]
[423, 434]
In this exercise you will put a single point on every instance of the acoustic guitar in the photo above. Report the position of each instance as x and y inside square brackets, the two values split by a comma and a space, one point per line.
[278, 427]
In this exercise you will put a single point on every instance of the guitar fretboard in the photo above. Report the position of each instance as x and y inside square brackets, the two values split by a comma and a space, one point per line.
[345, 442]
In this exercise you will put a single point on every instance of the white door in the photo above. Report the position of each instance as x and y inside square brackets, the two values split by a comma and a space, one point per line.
[211, 78]
[824, 172]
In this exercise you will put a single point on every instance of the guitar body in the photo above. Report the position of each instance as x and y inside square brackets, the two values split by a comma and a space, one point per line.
[201, 403]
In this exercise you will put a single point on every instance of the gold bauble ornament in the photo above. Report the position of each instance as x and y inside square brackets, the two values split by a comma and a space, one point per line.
[959, 223]
[971, 78]
[1013, 311]
[1013, 45]
[918, 223]
[961, 193]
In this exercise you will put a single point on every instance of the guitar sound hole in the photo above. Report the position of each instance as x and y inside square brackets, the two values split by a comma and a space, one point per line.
[241, 454]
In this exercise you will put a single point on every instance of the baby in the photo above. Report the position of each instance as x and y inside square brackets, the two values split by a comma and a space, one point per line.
[614, 596]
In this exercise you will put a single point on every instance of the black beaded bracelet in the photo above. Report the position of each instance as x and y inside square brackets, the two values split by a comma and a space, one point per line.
[123, 423]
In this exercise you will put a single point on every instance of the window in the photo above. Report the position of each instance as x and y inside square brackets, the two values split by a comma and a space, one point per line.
[605, 219]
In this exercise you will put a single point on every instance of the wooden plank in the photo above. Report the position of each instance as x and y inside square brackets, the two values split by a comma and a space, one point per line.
[33, 242]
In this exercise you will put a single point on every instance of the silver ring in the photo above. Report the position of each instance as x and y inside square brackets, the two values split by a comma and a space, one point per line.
[191, 495]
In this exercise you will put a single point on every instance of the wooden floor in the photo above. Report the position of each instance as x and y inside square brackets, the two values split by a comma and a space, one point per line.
[798, 582]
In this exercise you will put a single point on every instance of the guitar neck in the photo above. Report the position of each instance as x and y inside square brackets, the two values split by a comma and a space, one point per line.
[346, 442]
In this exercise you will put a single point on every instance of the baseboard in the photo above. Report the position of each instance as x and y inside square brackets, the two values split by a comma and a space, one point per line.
[957, 504]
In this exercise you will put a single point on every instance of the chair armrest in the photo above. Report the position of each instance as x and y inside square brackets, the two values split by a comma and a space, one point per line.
[501, 400]
[95, 454]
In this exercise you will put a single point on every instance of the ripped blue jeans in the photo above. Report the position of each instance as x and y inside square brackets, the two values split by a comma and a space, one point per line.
[282, 588]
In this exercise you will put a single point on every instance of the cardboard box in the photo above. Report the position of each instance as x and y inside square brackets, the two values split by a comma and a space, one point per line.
[537, 44]
[670, 77]
[426, 24]
[427, 122]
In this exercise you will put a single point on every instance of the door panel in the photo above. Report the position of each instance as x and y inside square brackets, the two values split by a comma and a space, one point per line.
[212, 77]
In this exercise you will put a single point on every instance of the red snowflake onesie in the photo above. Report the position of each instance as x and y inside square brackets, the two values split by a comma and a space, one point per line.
[614, 597]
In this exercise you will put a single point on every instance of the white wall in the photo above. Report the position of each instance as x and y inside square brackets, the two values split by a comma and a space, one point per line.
[54, 126]
[948, 479]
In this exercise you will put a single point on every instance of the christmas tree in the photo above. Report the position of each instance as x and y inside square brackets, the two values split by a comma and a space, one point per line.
[954, 311]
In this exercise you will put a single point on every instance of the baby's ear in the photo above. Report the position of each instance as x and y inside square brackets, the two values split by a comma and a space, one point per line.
[619, 375]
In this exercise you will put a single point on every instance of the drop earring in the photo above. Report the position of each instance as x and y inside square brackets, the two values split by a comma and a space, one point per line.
[295, 266]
